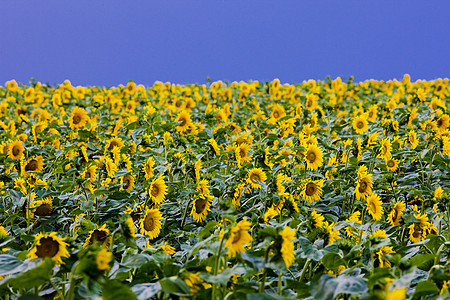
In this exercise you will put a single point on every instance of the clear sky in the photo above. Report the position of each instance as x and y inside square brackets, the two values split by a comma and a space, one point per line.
[109, 42]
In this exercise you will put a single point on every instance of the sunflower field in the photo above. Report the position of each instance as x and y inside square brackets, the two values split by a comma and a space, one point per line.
[246, 190]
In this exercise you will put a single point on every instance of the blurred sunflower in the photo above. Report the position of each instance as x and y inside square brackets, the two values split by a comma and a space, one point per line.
[49, 245]
[314, 157]
[98, 235]
[255, 175]
[318, 219]
[150, 223]
[238, 238]
[392, 164]
[41, 208]
[374, 206]
[15, 150]
[241, 153]
[287, 246]
[103, 259]
[413, 139]
[78, 118]
[158, 190]
[200, 207]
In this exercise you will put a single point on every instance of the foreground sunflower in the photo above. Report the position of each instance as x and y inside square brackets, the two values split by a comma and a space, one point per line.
[15, 150]
[374, 206]
[238, 238]
[78, 118]
[255, 175]
[158, 190]
[49, 245]
[200, 207]
[312, 190]
[150, 223]
[287, 246]
[314, 157]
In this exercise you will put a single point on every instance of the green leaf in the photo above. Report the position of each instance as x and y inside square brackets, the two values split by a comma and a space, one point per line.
[135, 260]
[146, 290]
[114, 290]
[265, 297]
[332, 261]
[425, 288]
[328, 287]
[8, 264]
[423, 261]
[223, 277]
[175, 286]
[34, 277]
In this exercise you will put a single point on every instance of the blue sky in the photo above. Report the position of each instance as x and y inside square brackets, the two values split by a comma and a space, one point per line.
[110, 42]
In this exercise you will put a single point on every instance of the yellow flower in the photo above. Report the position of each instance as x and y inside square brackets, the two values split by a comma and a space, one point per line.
[241, 153]
[40, 208]
[113, 143]
[197, 167]
[34, 164]
[438, 193]
[168, 249]
[129, 230]
[158, 190]
[360, 124]
[312, 190]
[333, 234]
[103, 259]
[395, 215]
[397, 294]
[270, 214]
[385, 149]
[214, 145]
[150, 223]
[318, 219]
[314, 157]
[98, 235]
[49, 245]
[363, 187]
[374, 206]
[127, 182]
[200, 207]
[287, 246]
[78, 118]
[111, 167]
[20, 184]
[255, 175]
[185, 121]
[15, 150]
[392, 164]
[238, 238]
[148, 167]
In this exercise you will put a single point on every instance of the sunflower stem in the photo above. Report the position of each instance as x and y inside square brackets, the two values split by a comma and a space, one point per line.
[216, 266]
[307, 263]
[185, 213]
[279, 283]
[72, 281]
[262, 287]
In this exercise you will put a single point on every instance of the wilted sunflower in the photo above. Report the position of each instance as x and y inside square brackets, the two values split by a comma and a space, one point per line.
[314, 157]
[35, 164]
[363, 187]
[150, 223]
[16, 150]
[200, 207]
[49, 245]
[128, 182]
[158, 190]
[360, 124]
[255, 175]
[78, 118]
[238, 238]
[374, 206]
[287, 246]
[148, 168]
[312, 190]
[396, 213]
[100, 235]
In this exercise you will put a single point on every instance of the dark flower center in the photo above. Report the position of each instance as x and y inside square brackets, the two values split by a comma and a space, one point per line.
[48, 247]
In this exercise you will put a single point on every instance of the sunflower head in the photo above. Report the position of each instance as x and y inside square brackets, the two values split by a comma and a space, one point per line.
[34, 165]
[150, 224]
[78, 118]
[49, 245]
[314, 157]
[312, 190]
[128, 182]
[360, 124]
[374, 206]
[158, 190]
[200, 207]
[16, 150]
[254, 176]
[98, 235]
[238, 238]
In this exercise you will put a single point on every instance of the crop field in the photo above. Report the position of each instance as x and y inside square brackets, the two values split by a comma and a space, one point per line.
[326, 189]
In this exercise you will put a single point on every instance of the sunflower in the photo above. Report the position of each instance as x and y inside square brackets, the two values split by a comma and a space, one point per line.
[238, 238]
[396, 213]
[392, 164]
[35, 164]
[318, 219]
[385, 149]
[255, 175]
[363, 186]
[158, 190]
[148, 167]
[200, 207]
[374, 206]
[277, 113]
[78, 118]
[127, 182]
[214, 145]
[129, 229]
[98, 235]
[314, 157]
[185, 121]
[333, 234]
[15, 150]
[150, 223]
[49, 245]
[443, 122]
[241, 153]
[287, 246]
[19, 183]
[197, 167]
[202, 187]
[111, 167]
[41, 208]
[413, 139]
[11, 85]
[312, 190]
[103, 259]
[90, 173]
[114, 142]
[360, 124]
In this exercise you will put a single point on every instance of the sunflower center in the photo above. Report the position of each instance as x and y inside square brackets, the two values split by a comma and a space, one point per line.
[242, 153]
[391, 163]
[127, 183]
[149, 223]
[276, 114]
[43, 210]
[236, 236]
[32, 165]
[48, 247]
[362, 187]
[16, 150]
[155, 190]
[200, 205]
[311, 156]
[113, 144]
[97, 236]
[76, 119]
[254, 178]
[373, 207]
[310, 189]
[360, 124]
[439, 123]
